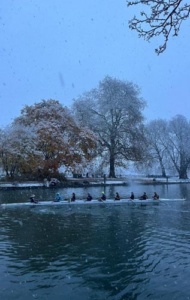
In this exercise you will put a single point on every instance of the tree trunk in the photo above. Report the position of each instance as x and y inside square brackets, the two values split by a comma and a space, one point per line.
[183, 173]
[162, 167]
[112, 166]
[163, 171]
[183, 167]
[160, 159]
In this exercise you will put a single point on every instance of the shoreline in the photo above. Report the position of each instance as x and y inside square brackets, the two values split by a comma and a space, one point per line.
[90, 182]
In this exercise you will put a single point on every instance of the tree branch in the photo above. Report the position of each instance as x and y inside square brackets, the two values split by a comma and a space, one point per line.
[164, 18]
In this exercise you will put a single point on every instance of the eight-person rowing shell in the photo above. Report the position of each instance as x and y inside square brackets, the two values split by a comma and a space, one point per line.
[102, 198]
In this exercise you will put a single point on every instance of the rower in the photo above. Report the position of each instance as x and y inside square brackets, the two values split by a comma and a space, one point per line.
[73, 197]
[89, 197]
[32, 199]
[155, 196]
[144, 196]
[117, 196]
[103, 197]
[57, 197]
[132, 197]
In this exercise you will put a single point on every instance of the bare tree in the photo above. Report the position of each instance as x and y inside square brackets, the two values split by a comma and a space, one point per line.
[161, 18]
[178, 145]
[114, 112]
[155, 134]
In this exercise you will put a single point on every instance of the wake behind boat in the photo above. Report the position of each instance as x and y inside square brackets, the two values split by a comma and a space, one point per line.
[92, 202]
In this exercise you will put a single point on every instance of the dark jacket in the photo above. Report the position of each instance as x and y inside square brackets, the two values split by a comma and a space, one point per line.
[73, 198]
[103, 197]
[89, 197]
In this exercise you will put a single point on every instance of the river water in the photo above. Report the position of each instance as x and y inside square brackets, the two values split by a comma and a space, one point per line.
[96, 252]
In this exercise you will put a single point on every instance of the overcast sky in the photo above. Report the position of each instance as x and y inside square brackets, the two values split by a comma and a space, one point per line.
[59, 49]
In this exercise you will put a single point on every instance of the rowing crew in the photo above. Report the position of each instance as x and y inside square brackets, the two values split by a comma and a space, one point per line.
[144, 196]
[117, 197]
[132, 196]
[102, 198]
[57, 198]
[34, 200]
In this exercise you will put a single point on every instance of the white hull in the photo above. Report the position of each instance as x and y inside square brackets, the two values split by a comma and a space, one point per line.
[92, 202]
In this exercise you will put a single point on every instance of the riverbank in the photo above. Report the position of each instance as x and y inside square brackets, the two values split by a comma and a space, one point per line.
[88, 182]
[71, 182]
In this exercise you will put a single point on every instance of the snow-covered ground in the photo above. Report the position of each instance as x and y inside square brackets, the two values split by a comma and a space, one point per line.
[161, 179]
[101, 181]
[23, 184]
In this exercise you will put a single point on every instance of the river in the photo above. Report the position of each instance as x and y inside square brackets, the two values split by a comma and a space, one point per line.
[96, 252]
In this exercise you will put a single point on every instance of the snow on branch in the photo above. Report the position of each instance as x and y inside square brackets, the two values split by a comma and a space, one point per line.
[163, 18]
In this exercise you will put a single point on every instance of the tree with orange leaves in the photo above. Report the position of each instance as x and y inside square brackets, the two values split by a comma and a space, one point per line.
[59, 141]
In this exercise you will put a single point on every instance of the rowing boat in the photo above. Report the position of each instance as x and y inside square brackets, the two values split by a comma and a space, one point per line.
[92, 202]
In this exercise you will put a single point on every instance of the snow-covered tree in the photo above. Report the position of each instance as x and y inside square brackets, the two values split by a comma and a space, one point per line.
[59, 139]
[17, 150]
[178, 145]
[156, 131]
[170, 144]
[113, 111]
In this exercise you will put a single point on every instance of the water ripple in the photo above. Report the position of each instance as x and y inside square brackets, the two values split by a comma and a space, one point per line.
[116, 253]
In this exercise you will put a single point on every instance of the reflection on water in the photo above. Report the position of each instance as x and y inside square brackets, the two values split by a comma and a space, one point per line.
[99, 252]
